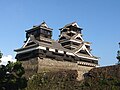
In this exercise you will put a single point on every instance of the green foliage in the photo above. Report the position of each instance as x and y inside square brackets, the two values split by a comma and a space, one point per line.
[11, 76]
[118, 55]
[102, 82]
[67, 80]
[61, 80]
[0, 54]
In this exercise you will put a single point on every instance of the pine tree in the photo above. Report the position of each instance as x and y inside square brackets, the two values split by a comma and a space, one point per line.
[11, 76]
[118, 55]
[0, 55]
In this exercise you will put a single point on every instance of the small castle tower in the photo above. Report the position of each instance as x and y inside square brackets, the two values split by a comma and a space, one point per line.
[36, 36]
[40, 31]
[40, 52]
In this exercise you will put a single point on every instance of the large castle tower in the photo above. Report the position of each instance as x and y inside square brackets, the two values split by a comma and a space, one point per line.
[71, 36]
[41, 53]
[71, 39]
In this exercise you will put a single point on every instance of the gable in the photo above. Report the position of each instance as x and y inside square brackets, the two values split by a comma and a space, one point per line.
[79, 37]
[83, 50]
[30, 41]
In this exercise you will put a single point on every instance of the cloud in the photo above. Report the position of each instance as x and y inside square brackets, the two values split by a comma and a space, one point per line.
[5, 59]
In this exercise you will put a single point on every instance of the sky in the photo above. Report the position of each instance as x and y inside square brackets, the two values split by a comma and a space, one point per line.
[100, 20]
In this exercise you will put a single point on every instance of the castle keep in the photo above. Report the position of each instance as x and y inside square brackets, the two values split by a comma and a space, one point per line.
[41, 53]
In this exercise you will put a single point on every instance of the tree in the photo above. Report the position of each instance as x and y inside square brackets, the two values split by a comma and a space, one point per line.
[11, 76]
[0, 55]
[118, 55]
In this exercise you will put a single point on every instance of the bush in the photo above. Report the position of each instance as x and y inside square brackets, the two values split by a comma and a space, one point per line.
[61, 80]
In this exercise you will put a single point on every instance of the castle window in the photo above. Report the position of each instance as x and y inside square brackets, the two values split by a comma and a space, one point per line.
[67, 56]
[70, 34]
[64, 30]
[88, 47]
[62, 38]
[83, 52]
[44, 51]
[66, 43]
[74, 43]
[80, 31]
[45, 32]
[42, 31]
[78, 38]
[31, 43]
[47, 48]
[56, 50]
[49, 33]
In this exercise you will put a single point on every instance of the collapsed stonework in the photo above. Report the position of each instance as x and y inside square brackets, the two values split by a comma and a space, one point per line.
[41, 53]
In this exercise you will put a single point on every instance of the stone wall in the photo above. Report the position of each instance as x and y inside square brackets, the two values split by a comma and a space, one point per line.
[106, 72]
[38, 65]
[103, 78]
[30, 66]
[47, 64]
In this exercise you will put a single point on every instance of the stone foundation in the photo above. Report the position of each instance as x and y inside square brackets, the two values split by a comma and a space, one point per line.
[38, 65]
[30, 66]
[106, 72]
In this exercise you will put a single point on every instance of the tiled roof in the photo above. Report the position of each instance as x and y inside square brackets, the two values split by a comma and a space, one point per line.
[71, 24]
[43, 25]
[52, 44]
